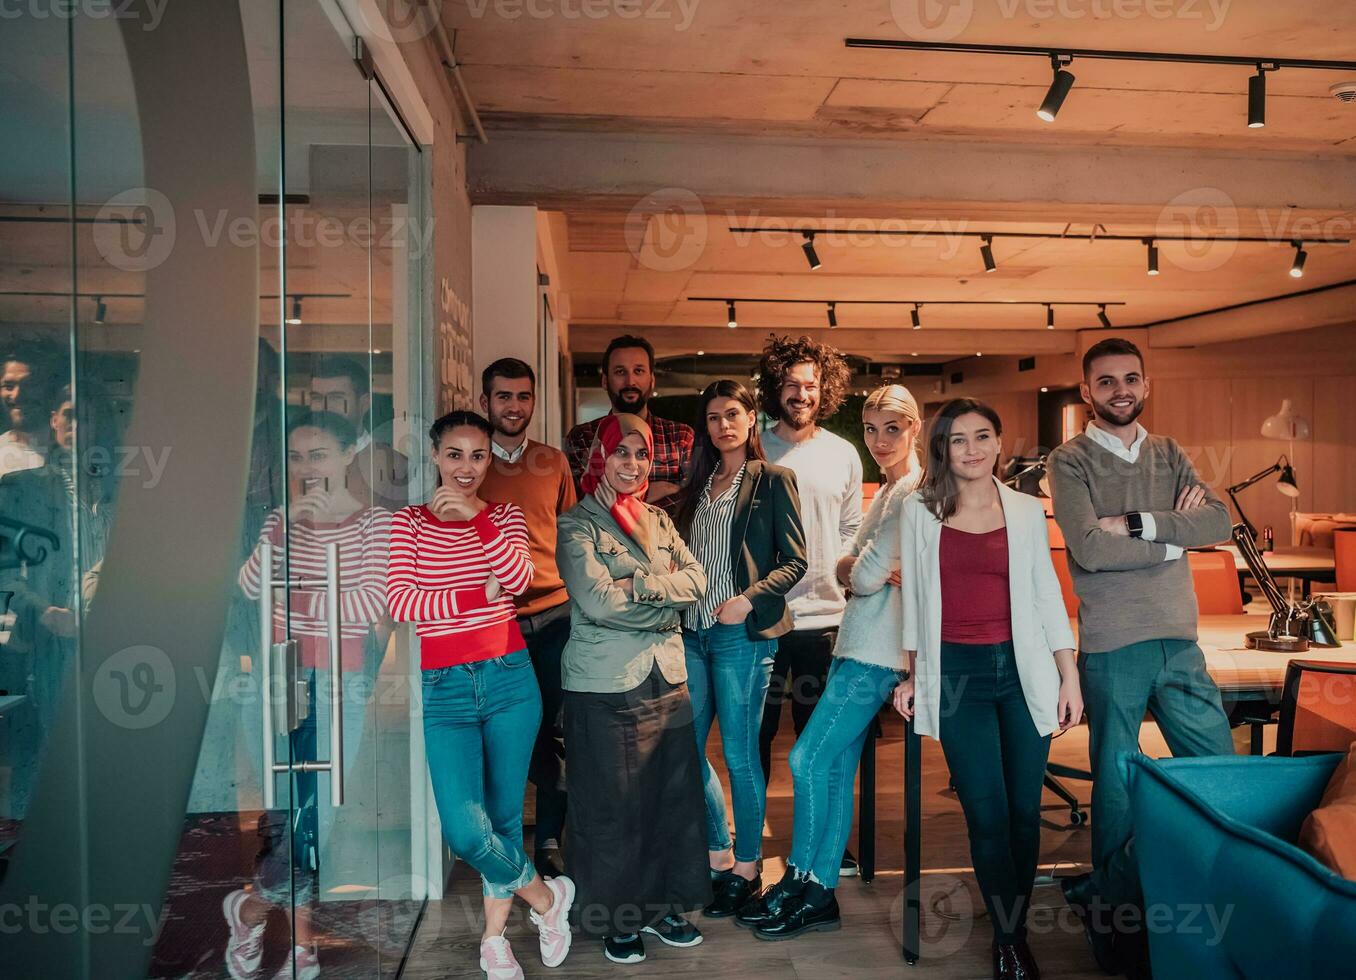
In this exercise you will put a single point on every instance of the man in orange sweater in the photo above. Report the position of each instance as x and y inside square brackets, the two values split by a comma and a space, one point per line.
[537, 478]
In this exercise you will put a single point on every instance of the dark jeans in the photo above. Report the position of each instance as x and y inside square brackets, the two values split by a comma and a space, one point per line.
[545, 635]
[997, 761]
[1167, 678]
[799, 673]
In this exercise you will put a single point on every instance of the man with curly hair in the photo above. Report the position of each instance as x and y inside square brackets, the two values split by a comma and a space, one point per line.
[799, 383]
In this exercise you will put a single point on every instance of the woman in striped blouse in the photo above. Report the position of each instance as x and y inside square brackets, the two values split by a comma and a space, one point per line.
[740, 515]
[321, 511]
[456, 564]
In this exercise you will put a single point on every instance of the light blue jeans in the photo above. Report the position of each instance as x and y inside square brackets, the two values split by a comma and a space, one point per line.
[480, 723]
[727, 677]
[824, 764]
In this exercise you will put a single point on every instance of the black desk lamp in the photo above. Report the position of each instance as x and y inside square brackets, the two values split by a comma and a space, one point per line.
[1285, 483]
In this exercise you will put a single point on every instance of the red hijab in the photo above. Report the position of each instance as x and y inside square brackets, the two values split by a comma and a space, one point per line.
[629, 510]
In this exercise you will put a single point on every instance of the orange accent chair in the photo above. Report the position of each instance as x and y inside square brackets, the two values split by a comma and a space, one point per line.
[1344, 550]
[1060, 557]
[1215, 577]
[1318, 708]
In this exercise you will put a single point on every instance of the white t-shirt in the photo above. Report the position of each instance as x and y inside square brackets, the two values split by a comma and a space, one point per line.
[829, 478]
[16, 456]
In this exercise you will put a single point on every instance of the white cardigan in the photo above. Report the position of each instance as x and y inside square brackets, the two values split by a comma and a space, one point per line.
[1040, 624]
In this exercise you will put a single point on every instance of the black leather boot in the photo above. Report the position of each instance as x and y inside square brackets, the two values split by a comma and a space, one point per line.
[732, 894]
[814, 910]
[768, 905]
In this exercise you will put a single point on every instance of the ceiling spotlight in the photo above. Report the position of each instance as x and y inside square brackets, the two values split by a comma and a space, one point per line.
[729, 308]
[295, 319]
[1049, 317]
[1059, 88]
[1297, 267]
[1101, 316]
[1257, 99]
[833, 315]
[914, 316]
[1043, 388]
[986, 253]
[809, 249]
[1153, 256]
[100, 310]
[979, 353]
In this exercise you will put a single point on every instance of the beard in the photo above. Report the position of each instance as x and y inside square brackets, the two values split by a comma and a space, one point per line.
[799, 416]
[505, 427]
[631, 400]
[1118, 418]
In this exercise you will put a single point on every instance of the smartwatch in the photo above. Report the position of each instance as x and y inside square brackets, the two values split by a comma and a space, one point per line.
[1134, 522]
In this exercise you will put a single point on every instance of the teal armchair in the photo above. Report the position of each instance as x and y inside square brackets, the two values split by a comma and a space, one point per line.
[1234, 897]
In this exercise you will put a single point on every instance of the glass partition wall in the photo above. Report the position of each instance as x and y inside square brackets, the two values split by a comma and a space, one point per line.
[304, 822]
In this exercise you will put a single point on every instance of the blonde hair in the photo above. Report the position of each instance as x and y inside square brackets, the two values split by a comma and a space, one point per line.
[895, 399]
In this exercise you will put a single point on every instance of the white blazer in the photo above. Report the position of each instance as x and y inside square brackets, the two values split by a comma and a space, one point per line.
[1040, 624]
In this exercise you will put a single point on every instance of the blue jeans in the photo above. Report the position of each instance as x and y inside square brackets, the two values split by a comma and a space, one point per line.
[480, 723]
[727, 676]
[824, 764]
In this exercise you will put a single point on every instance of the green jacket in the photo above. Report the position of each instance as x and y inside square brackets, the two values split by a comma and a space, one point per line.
[616, 639]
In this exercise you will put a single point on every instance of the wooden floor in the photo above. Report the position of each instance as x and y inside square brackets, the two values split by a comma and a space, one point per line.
[956, 936]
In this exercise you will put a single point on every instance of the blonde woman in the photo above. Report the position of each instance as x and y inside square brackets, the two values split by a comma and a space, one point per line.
[868, 665]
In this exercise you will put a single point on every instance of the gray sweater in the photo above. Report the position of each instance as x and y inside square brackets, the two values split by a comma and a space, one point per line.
[1128, 591]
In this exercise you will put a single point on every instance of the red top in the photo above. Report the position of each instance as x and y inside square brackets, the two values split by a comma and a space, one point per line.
[975, 600]
[437, 580]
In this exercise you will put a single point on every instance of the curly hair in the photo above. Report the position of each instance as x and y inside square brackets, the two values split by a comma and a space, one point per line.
[780, 354]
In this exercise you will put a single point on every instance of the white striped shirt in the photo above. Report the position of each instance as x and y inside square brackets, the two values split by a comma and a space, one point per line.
[712, 526]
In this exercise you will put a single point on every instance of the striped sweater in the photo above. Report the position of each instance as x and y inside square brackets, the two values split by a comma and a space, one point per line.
[437, 579]
[362, 539]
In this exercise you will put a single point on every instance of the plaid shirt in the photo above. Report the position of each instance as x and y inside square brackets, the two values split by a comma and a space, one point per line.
[672, 451]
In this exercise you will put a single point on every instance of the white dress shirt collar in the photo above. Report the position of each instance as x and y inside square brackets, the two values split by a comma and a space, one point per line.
[1113, 444]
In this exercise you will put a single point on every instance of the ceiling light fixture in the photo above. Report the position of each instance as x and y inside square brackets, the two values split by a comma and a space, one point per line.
[295, 319]
[916, 317]
[1059, 87]
[1152, 257]
[1102, 317]
[809, 249]
[986, 253]
[833, 314]
[1049, 317]
[730, 309]
[1257, 99]
[100, 309]
[1297, 267]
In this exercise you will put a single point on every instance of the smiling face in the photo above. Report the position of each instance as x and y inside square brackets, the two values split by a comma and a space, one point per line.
[1115, 388]
[462, 458]
[629, 379]
[315, 460]
[728, 423]
[800, 395]
[509, 405]
[25, 398]
[889, 437]
[972, 447]
[628, 466]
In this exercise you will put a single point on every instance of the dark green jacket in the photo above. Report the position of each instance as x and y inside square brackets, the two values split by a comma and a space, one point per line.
[767, 545]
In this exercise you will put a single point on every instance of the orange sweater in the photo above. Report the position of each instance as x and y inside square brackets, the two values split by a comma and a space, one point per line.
[541, 485]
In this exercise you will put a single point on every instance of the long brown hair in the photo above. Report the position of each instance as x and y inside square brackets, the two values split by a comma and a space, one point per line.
[705, 455]
[938, 489]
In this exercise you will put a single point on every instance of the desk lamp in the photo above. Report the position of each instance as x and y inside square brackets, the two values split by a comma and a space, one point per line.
[1294, 626]
[1285, 483]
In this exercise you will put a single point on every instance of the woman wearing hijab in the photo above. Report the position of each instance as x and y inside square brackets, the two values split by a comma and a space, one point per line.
[636, 828]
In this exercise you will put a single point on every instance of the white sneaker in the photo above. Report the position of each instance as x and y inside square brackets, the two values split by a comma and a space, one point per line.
[553, 928]
[497, 960]
[307, 964]
[244, 946]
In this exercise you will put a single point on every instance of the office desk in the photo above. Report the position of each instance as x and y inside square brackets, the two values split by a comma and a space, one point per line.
[1309, 565]
[1240, 673]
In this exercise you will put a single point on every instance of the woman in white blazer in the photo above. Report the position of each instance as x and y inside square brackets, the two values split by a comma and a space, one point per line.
[990, 654]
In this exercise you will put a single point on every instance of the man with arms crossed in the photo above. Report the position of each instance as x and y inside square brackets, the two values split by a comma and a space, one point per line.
[536, 477]
[1128, 503]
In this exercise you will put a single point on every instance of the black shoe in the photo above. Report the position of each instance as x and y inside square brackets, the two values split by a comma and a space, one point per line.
[849, 867]
[732, 894]
[624, 949]
[1027, 960]
[674, 930]
[1093, 912]
[1009, 964]
[764, 909]
[548, 861]
[814, 910]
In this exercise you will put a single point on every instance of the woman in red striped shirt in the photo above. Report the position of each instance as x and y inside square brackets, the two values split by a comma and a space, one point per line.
[456, 564]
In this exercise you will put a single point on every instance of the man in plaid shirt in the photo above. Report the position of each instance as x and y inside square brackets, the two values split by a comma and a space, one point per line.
[628, 378]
